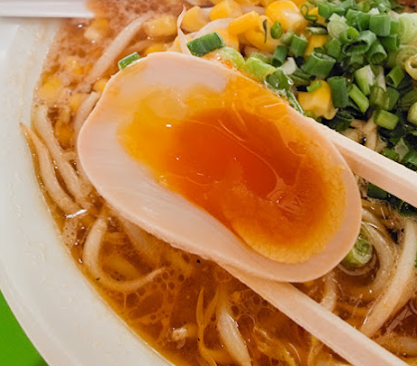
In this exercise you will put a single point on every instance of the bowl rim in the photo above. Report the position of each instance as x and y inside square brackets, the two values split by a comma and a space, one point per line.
[61, 313]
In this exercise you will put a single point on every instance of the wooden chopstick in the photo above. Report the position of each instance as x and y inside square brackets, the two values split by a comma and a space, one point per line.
[375, 168]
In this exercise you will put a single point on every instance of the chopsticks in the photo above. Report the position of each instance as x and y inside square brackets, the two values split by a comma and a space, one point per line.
[375, 168]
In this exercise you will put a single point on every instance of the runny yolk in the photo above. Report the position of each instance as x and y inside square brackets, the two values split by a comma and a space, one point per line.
[242, 160]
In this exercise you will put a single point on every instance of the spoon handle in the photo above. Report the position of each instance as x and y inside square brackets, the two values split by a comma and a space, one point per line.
[376, 168]
[341, 337]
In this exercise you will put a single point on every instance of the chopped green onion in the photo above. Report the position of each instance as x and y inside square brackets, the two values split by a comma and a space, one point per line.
[326, 10]
[262, 57]
[348, 4]
[405, 53]
[410, 160]
[336, 26]
[348, 35]
[395, 27]
[279, 56]
[279, 80]
[359, 98]
[412, 114]
[298, 45]
[304, 9]
[300, 77]
[233, 56]
[319, 64]
[365, 78]
[393, 96]
[314, 86]
[408, 28]
[265, 27]
[376, 54]
[411, 66]
[276, 30]
[257, 69]
[395, 76]
[380, 24]
[361, 45]
[341, 121]
[339, 91]
[375, 192]
[356, 61]
[333, 47]
[206, 44]
[390, 154]
[360, 254]
[363, 21]
[408, 100]
[294, 102]
[316, 30]
[391, 43]
[126, 61]
[289, 66]
[386, 119]
[286, 38]
[401, 148]
[379, 97]
[365, 6]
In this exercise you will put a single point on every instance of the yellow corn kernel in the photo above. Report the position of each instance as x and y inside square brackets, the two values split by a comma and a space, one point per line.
[320, 20]
[256, 36]
[215, 2]
[156, 47]
[315, 41]
[229, 39]
[72, 65]
[248, 2]
[226, 9]
[52, 89]
[319, 101]
[176, 46]
[100, 85]
[97, 30]
[265, 3]
[75, 102]
[244, 23]
[164, 26]
[63, 133]
[286, 13]
[194, 19]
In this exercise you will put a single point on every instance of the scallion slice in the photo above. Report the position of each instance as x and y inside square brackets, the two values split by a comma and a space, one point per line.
[326, 10]
[206, 44]
[390, 154]
[276, 30]
[279, 80]
[319, 64]
[359, 98]
[379, 97]
[126, 61]
[365, 78]
[298, 45]
[333, 48]
[395, 76]
[380, 24]
[375, 192]
[233, 56]
[361, 45]
[412, 114]
[391, 43]
[393, 97]
[257, 69]
[286, 38]
[279, 56]
[386, 119]
[339, 91]
[360, 254]
[314, 87]
[349, 35]
[376, 54]
[410, 160]
[316, 30]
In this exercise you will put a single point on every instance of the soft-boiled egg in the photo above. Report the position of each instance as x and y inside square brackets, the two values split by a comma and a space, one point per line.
[218, 165]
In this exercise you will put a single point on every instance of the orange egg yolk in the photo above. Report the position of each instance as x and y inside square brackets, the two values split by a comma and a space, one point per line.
[239, 156]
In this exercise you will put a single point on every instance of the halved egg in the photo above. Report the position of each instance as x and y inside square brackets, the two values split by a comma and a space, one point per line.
[218, 165]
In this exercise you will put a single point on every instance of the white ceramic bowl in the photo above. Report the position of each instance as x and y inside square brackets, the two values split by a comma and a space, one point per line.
[61, 313]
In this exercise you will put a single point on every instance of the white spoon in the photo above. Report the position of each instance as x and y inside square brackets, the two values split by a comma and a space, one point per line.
[45, 8]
